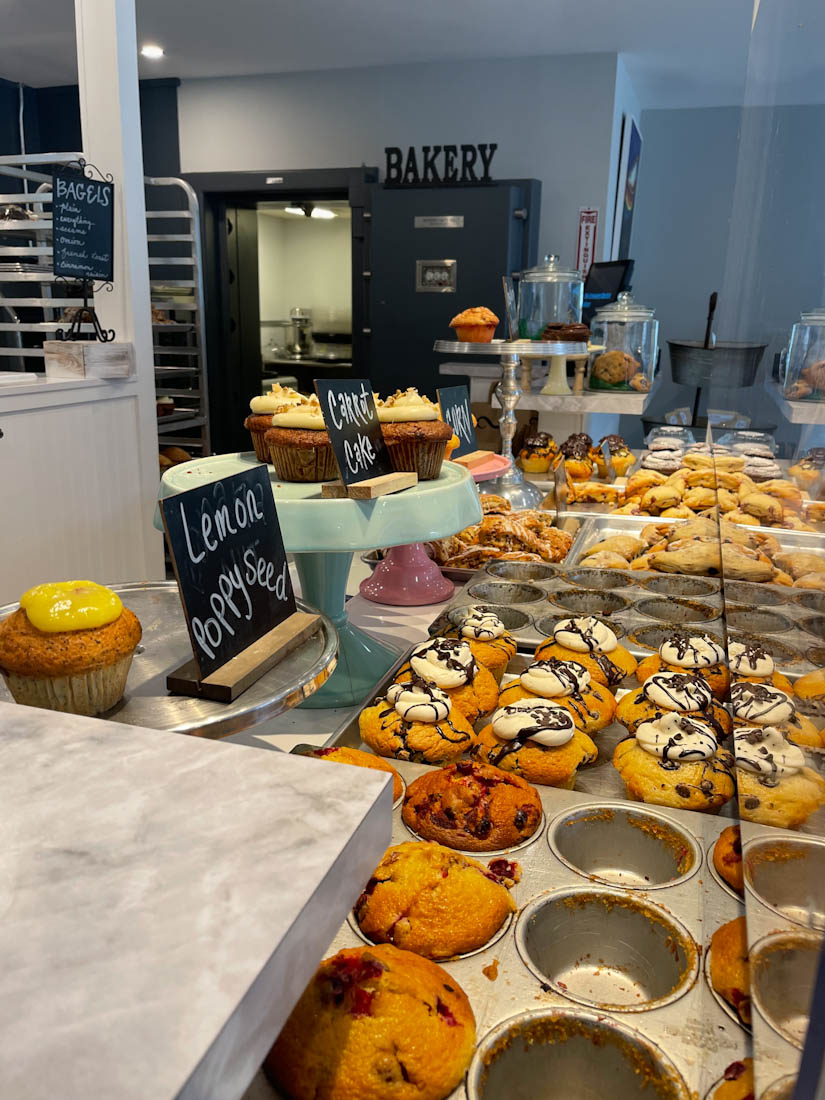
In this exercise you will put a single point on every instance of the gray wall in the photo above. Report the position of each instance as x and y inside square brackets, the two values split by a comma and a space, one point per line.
[552, 117]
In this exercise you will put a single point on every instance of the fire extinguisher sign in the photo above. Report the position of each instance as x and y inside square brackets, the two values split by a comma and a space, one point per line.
[586, 247]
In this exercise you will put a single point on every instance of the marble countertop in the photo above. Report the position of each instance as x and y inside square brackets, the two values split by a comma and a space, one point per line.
[163, 902]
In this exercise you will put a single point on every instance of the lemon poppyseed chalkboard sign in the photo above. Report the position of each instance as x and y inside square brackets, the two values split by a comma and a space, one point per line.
[83, 225]
[231, 567]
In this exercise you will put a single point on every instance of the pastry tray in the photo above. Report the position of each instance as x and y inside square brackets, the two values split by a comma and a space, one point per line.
[694, 1031]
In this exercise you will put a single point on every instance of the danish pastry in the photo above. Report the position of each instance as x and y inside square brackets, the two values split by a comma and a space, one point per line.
[565, 684]
[537, 740]
[593, 644]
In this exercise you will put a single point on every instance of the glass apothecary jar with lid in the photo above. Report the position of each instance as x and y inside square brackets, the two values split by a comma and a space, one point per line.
[805, 359]
[548, 295]
[624, 345]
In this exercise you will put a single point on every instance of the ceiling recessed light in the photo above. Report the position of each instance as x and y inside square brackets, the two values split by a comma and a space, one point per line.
[321, 212]
[295, 210]
[154, 53]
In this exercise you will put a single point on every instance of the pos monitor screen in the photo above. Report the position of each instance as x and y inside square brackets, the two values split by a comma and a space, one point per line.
[603, 285]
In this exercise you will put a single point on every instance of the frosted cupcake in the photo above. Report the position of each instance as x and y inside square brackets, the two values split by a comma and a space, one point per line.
[414, 433]
[68, 647]
[261, 409]
[679, 692]
[751, 662]
[449, 665]
[298, 442]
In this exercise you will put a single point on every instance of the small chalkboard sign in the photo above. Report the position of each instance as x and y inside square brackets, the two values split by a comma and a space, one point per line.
[231, 568]
[83, 226]
[455, 409]
[351, 419]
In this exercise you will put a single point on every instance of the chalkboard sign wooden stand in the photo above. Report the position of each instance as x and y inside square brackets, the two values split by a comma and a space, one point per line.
[474, 458]
[456, 411]
[369, 489]
[233, 678]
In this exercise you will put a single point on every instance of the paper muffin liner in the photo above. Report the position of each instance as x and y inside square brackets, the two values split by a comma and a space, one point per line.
[419, 458]
[303, 463]
[87, 693]
[475, 334]
[260, 444]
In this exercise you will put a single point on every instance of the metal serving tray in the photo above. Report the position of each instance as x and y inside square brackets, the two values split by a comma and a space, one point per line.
[689, 1027]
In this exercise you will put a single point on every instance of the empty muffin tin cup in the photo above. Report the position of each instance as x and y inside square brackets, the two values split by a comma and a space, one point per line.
[560, 1053]
[547, 626]
[606, 949]
[597, 578]
[506, 592]
[677, 611]
[814, 601]
[781, 652]
[755, 620]
[814, 624]
[511, 617]
[585, 601]
[673, 585]
[651, 637]
[620, 846]
[783, 969]
[521, 570]
[758, 595]
[788, 876]
[783, 1089]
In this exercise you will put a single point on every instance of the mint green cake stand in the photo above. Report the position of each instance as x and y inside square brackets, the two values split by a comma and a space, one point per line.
[324, 534]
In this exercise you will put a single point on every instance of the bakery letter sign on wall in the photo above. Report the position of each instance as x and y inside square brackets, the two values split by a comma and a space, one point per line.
[438, 165]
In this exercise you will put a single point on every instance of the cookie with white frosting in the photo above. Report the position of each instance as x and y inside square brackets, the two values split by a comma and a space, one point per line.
[752, 661]
[675, 760]
[489, 642]
[761, 704]
[591, 643]
[700, 654]
[666, 693]
[566, 684]
[776, 787]
[449, 664]
[537, 739]
[416, 721]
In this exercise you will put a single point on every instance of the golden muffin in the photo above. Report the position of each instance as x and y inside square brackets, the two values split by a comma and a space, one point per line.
[763, 705]
[775, 785]
[675, 760]
[373, 1023]
[593, 644]
[343, 754]
[475, 325]
[472, 807]
[537, 741]
[536, 454]
[729, 969]
[417, 722]
[727, 857]
[699, 654]
[449, 665]
[673, 692]
[489, 642]
[737, 1082]
[811, 685]
[425, 898]
[68, 647]
[566, 684]
[753, 663]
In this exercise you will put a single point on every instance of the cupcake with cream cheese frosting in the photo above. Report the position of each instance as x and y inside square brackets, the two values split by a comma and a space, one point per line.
[675, 760]
[449, 664]
[593, 644]
[538, 740]
[261, 409]
[565, 684]
[775, 786]
[416, 721]
[68, 647]
[757, 704]
[682, 693]
[488, 640]
[752, 662]
[299, 444]
[415, 435]
[700, 654]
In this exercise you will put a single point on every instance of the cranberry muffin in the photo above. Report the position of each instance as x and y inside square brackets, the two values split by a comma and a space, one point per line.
[375, 1022]
[425, 898]
[449, 665]
[472, 807]
[727, 858]
[343, 754]
[729, 969]
[699, 654]
[416, 721]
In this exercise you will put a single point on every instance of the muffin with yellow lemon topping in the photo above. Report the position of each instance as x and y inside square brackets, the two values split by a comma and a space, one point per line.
[375, 1023]
[68, 647]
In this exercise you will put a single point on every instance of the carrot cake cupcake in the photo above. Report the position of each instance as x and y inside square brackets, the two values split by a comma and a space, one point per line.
[298, 442]
[676, 761]
[415, 435]
[416, 721]
[565, 684]
[449, 664]
[432, 900]
[375, 1022]
[762, 705]
[261, 409]
[537, 741]
[488, 640]
[699, 654]
[68, 647]
[775, 785]
[593, 644]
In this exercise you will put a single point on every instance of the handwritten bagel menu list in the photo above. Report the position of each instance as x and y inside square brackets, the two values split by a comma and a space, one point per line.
[83, 226]
[351, 419]
[230, 564]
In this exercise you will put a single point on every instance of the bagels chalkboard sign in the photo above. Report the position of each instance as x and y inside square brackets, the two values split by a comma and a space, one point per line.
[230, 563]
[83, 226]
